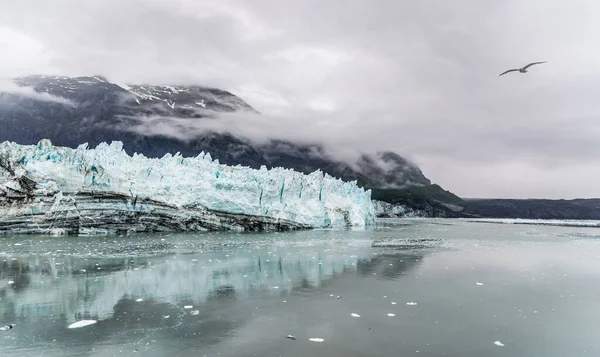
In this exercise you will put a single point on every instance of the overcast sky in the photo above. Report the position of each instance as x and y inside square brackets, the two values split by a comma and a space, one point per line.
[417, 77]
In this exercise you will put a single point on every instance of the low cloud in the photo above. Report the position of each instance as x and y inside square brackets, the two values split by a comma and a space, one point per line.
[307, 129]
[330, 141]
[416, 77]
[10, 87]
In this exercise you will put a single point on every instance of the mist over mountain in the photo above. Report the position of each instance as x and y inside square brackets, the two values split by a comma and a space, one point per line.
[157, 119]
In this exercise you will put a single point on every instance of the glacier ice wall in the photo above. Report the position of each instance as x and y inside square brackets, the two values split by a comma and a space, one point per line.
[385, 209]
[50, 189]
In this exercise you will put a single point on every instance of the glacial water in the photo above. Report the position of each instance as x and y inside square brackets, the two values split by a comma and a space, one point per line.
[404, 288]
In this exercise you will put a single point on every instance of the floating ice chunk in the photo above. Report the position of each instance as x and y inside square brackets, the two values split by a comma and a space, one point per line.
[354, 314]
[276, 287]
[139, 300]
[391, 314]
[188, 306]
[498, 343]
[393, 303]
[411, 303]
[10, 282]
[194, 260]
[316, 339]
[7, 327]
[195, 312]
[82, 323]
[480, 284]
[166, 316]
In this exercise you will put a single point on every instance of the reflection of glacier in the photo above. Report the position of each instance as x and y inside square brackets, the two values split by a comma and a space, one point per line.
[60, 286]
[46, 189]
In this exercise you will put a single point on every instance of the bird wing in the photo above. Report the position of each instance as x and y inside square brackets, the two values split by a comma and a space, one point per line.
[531, 64]
[510, 70]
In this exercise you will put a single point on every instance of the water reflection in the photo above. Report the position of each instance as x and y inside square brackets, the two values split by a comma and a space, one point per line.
[47, 292]
[241, 295]
[389, 265]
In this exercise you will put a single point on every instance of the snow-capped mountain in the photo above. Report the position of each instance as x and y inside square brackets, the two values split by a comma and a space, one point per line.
[71, 111]
[74, 110]
[151, 99]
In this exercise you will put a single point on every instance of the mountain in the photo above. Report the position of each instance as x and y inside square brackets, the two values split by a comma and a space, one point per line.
[532, 208]
[73, 110]
[93, 110]
[381, 169]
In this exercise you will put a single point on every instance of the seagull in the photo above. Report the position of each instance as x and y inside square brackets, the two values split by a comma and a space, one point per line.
[524, 69]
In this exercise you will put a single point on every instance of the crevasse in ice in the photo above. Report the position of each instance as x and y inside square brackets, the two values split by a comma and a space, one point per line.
[317, 199]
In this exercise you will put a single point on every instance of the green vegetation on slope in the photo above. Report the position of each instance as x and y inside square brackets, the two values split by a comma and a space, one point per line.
[415, 195]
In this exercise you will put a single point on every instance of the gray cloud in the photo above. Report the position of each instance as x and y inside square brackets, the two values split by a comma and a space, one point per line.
[416, 77]
[9, 87]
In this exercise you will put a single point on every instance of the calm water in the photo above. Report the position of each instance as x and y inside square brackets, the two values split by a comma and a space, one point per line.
[454, 288]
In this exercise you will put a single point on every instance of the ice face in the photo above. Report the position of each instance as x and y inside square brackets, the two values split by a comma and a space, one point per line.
[316, 200]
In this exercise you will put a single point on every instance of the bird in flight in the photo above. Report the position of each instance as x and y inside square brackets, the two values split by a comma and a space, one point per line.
[522, 70]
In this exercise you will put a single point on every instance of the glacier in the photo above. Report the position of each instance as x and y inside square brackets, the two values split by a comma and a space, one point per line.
[47, 189]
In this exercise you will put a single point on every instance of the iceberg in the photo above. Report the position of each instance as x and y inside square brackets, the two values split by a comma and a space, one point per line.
[47, 189]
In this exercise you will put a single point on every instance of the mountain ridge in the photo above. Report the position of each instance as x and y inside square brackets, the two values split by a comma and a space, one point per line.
[74, 110]
[532, 208]
[92, 110]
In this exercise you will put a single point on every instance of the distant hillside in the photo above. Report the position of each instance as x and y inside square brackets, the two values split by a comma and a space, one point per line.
[379, 170]
[430, 200]
[532, 208]
[416, 194]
